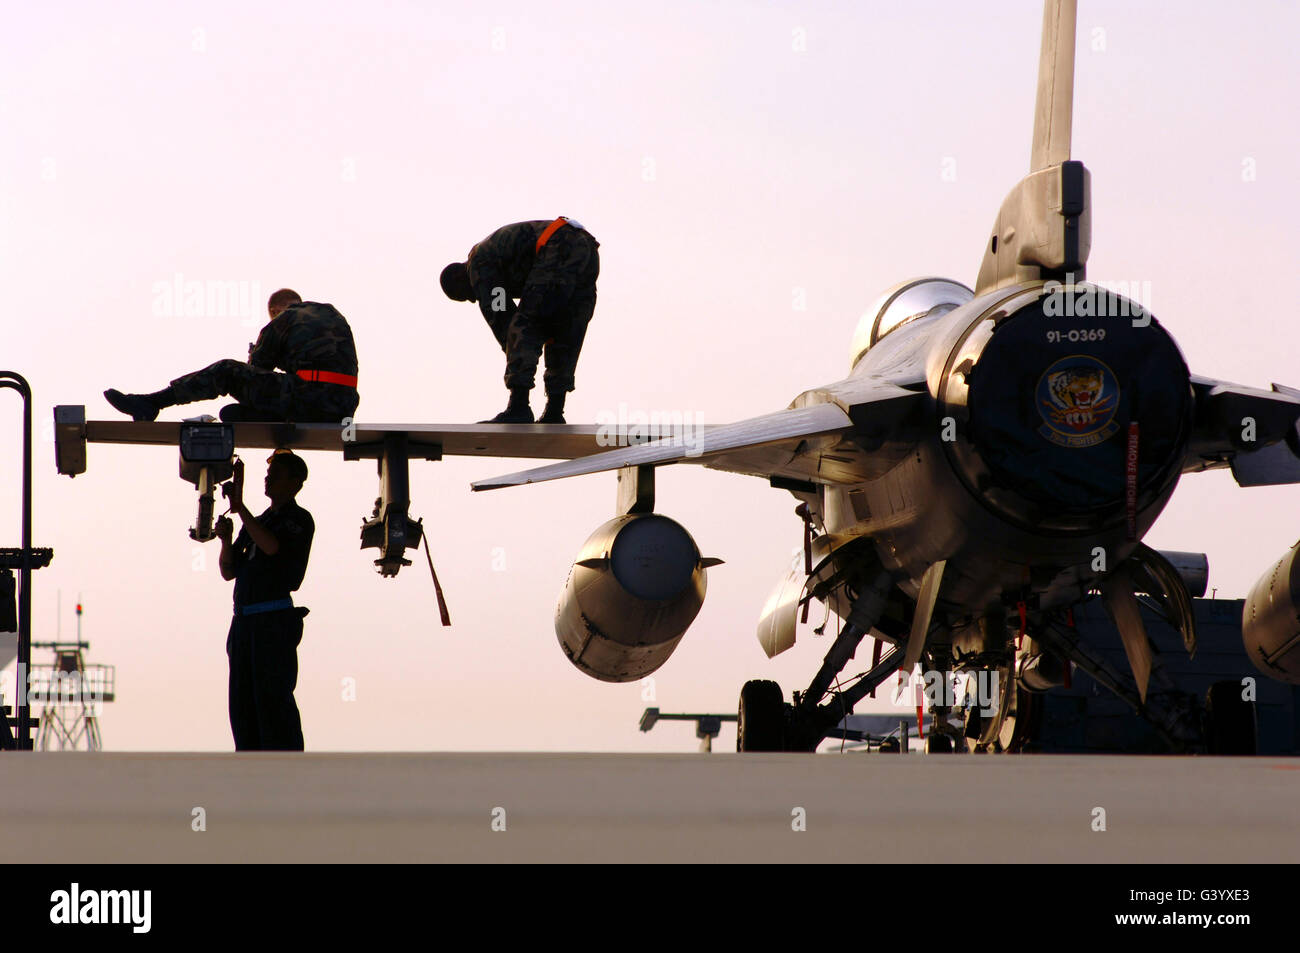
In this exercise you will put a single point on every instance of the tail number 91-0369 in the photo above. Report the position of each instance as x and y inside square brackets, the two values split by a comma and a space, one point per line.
[1076, 335]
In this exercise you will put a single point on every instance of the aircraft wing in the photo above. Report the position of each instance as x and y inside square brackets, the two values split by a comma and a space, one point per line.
[1255, 432]
[833, 434]
[547, 442]
[824, 438]
[761, 446]
[204, 444]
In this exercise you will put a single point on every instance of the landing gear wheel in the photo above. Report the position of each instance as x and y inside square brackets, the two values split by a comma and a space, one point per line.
[1231, 721]
[938, 744]
[1012, 727]
[1021, 723]
[974, 729]
[990, 725]
[760, 722]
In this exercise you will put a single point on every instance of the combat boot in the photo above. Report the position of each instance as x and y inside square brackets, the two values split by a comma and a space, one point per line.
[137, 406]
[554, 412]
[517, 411]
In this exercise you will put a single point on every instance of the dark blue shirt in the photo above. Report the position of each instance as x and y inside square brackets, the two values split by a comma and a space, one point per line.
[262, 578]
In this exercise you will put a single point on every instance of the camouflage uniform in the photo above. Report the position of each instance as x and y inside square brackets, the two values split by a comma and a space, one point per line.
[556, 288]
[305, 336]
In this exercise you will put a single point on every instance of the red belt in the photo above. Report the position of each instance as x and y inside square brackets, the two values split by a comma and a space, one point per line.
[550, 230]
[329, 377]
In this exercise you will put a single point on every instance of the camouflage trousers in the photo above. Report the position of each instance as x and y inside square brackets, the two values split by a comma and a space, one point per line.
[266, 395]
[556, 304]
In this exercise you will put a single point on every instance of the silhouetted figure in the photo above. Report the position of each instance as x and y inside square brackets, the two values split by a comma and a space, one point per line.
[551, 267]
[267, 560]
[312, 343]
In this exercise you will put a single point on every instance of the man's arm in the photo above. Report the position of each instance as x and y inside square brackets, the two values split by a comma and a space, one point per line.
[295, 545]
[269, 349]
[493, 300]
[263, 538]
[227, 559]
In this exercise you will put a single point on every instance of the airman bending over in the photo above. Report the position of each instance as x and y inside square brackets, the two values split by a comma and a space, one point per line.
[551, 268]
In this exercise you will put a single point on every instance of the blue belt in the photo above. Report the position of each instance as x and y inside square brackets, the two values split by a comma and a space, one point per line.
[258, 607]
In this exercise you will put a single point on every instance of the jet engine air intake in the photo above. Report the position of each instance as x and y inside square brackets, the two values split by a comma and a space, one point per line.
[1073, 409]
[634, 589]
[1270, 620]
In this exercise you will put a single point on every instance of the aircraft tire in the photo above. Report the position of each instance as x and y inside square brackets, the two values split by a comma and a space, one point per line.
[938, 744]
[760, 721]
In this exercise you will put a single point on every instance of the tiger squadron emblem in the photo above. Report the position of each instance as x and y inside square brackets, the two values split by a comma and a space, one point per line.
[1077, 398]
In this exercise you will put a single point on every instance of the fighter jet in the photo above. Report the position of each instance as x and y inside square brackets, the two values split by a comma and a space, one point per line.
[994, 455]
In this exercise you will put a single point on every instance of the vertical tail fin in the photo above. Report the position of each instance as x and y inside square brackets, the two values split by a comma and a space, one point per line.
[1054, 108]
[1044, 228]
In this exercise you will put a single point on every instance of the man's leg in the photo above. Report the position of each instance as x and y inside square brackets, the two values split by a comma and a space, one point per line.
[562, 354]
[524, 342]
[275, 675]
[256, 389]
[260, 391]
[243, 706]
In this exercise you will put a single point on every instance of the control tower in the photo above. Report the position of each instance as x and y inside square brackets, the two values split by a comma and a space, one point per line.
[70, 694]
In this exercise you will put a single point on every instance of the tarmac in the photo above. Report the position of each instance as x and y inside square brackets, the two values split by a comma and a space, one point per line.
[861, 808]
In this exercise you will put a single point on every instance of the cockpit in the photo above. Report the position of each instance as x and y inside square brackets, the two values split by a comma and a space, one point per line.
[904, 303]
